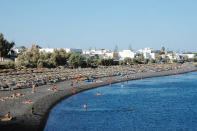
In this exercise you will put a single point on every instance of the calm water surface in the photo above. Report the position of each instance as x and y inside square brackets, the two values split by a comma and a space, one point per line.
[162, 103]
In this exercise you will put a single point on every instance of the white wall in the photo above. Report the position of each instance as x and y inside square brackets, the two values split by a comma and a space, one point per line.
[190, 56]
[48, 50]
[126, 53]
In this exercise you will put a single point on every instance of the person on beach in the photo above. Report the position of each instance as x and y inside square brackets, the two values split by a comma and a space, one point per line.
[33, 88]
[27, 101]
[77, 81]
[71, 83]
[18, 94]
[54, 88]
[7, 117]
[32, 111]
[13, 96]
[18, 86]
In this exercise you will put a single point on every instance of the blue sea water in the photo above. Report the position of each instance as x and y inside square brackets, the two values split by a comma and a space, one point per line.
[159, 104]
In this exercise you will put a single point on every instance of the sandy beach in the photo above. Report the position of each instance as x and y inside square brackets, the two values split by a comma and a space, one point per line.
[44, 99]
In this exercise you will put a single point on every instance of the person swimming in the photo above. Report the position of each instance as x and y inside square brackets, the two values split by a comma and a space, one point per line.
[130, 109]
[98, 93]
[85, 106]
[122, 85]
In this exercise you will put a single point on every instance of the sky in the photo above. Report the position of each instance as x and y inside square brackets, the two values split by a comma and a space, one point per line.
[101, 23]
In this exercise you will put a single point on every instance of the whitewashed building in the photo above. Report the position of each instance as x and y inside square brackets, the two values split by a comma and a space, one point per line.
[48, 50]
[148, 53]
[19, 50]
[102, 53]
[77, 51]
[126, 53]
[189, 56]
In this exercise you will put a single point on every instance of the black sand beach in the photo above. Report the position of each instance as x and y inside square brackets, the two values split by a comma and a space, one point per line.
[44, 99]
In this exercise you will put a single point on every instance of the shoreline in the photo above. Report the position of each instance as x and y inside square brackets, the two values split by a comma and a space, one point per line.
[46, 100]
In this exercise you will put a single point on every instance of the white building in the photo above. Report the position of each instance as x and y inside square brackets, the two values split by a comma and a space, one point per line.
[148, 53]
[67, 49]
[77, 51]
[102, 53]
[108, 55]
[174, 56]
[126, 53]
[19, 50]
[48, 50]
[189, 56]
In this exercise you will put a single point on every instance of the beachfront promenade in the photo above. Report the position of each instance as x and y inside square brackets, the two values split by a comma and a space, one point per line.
[18, 97]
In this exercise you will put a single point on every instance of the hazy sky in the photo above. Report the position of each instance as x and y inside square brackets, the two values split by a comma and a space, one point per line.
[101, 23]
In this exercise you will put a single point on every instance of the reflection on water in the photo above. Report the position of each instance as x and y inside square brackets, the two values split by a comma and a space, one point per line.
[162, 103]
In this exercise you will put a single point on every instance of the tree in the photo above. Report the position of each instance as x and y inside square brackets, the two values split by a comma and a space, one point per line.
[22, 47]
[163, 49]
[170, 52]
[96, 62]
[130, 48]
[39, 47]
[141, 59]
[128, 61]
[30, 58]
[115, 53]
[59, 57]
[45, 60]
[158, 58]
[5, 46]
[122, 62]
[76, 60]
[185, 59]
[135, 61]
[167, 59]
[152, 60]
[174, 61]
[106, 62]
[89, 62]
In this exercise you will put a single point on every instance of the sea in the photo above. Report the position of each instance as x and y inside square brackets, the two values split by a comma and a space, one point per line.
[166, 103]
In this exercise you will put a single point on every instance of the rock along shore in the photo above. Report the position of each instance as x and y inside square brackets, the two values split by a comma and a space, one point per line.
[44, 99]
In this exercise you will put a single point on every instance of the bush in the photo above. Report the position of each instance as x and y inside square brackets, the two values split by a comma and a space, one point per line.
[33, 58]
[10, 65]
[76, 60]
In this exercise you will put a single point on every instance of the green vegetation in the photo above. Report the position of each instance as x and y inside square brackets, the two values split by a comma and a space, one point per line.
[76, 60]
[152, 60]
[167, 59]
[158, 58]
[30, 58]
[33, 58]
[133, 61]
[115, 53]
[5, 46]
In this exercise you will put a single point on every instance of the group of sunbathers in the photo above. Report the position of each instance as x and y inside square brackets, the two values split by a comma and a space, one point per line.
[14, 95]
